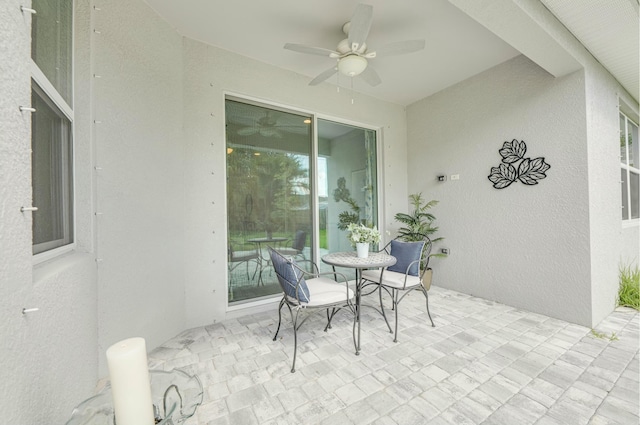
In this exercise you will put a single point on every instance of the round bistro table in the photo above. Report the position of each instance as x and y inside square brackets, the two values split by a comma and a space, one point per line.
[352, 261]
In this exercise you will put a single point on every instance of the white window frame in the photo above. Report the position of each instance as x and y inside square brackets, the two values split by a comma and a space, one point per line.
[628, 170]
[52, 94]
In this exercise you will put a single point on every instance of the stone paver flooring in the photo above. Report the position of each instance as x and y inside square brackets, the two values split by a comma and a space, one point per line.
[483, 363]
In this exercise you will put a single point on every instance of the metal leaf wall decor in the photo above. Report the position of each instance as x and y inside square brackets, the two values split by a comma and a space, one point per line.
[529, 171]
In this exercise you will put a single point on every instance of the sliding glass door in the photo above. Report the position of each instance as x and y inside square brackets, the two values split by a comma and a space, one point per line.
[347, 184]
[274, 169]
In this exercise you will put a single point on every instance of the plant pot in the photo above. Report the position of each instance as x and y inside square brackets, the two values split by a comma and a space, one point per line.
[362, 250]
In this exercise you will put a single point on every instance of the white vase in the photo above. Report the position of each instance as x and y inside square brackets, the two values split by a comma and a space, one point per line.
[362, 249]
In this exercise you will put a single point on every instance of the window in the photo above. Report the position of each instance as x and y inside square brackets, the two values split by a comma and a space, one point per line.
[630, 168]
[51, 125]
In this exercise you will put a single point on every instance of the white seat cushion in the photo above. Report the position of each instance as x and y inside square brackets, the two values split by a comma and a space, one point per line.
[372, 275]
[243, 255]
[392, 279]
[324, 291]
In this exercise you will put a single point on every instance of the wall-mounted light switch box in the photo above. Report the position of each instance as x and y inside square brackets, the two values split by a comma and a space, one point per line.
[455, 177]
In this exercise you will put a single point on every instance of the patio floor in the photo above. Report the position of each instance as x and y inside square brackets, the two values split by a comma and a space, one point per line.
[483, 363]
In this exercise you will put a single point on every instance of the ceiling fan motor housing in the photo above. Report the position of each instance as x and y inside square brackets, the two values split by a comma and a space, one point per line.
[345, 48]
[352, 65]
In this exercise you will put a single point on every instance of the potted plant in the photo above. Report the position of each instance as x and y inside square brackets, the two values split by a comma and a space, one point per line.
[418, 222]
[361, 237]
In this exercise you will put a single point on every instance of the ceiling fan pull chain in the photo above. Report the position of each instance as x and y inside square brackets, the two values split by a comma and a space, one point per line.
[352, 90]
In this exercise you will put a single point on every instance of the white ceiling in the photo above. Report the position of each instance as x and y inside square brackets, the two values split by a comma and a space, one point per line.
[610, 30]
[457, 47]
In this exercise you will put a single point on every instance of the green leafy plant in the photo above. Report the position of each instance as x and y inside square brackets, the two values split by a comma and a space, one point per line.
[629, 289]
[345, 218]
[359, 233]
[419, 221]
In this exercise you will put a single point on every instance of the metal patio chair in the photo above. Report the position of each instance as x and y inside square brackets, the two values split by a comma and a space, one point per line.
[411, 272]
[305, 291]
[234, 260]
[297, 247]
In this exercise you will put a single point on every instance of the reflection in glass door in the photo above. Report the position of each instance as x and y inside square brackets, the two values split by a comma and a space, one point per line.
[347, 184]
[270, 199]
[268, 194]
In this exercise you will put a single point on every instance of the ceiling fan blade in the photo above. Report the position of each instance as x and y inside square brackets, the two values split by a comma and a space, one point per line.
[370, 76]
[323, 76]
[360, 25]
[247, 131]
[400, 48]
[301, 48]
[270, 132]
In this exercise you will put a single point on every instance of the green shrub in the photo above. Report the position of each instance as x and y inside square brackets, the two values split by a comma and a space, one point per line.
[629, 290]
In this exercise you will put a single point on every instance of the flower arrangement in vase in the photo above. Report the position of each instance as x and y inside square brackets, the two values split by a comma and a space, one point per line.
[361, 236]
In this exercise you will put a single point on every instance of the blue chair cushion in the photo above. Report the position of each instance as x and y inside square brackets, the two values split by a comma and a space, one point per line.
[290, 275]
[406, 253]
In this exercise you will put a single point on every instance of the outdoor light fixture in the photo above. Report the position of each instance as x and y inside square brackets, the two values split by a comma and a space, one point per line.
[352, 65]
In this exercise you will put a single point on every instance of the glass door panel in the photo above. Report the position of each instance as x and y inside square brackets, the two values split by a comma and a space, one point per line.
[347, 184]
[269, 200]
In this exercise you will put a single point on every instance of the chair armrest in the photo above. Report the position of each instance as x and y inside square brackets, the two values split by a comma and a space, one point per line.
[335, 274]
[411, 264]
[406, 273]
[385, 249]
[314, 265]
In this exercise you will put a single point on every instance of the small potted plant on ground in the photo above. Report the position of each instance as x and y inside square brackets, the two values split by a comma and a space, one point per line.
[361, 237]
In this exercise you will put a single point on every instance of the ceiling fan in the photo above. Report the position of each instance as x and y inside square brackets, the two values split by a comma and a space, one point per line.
[352, 53]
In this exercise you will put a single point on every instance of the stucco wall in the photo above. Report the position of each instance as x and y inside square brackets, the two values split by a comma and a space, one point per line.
[209, 73]
[610, 241]
[604, 192]
[139, 152]
[48, 360]
[526, 246]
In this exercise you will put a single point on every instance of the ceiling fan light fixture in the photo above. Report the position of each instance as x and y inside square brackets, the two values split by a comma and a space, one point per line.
[352, 65]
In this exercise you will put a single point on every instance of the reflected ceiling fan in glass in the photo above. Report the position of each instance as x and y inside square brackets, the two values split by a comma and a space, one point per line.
[266, 126]
[249, 120]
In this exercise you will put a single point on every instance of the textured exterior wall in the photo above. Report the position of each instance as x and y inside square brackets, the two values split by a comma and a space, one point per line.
[15, 191]
[604, 192]
[610, 241]
[139, 148]
[526, 246]
[55, 347]
[209, 72]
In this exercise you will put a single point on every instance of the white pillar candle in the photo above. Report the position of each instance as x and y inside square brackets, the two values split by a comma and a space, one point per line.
[130, 384]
